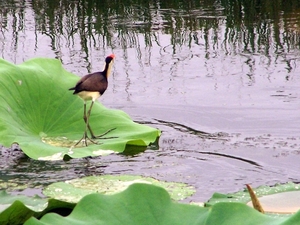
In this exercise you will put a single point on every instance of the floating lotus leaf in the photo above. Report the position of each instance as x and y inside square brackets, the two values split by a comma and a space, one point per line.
[148, 204]
[138, 204]
[39, 113]
[16, 209]
[281, 198]
[74, 190]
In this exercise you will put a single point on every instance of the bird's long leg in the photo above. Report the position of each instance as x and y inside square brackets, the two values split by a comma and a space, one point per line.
[101, 135]
[86, 120]
[90, 129]
[84, 112]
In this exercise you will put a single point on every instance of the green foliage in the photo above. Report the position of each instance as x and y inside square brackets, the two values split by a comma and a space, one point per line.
[244, 197]
[39, 113]
[140, 204]
[74, 190]
[147, 204]
[17, 209]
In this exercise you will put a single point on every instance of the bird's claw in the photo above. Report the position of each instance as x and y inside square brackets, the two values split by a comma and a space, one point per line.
[101, 135]
[84, 140]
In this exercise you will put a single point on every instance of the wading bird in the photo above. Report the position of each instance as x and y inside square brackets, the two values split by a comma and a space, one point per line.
[91, 87]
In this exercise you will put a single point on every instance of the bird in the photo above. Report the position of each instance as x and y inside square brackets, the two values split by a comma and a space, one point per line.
[91, 87]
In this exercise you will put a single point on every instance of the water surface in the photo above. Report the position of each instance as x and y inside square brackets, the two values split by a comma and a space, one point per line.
[219, 78]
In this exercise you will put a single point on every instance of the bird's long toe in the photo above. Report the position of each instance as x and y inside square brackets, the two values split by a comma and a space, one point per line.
[101, 136]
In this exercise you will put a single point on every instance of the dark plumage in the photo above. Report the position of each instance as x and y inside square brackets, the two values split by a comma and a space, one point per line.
[91, 87]
[94, 82]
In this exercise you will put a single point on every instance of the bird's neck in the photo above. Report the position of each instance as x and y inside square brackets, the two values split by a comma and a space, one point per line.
[107, 69]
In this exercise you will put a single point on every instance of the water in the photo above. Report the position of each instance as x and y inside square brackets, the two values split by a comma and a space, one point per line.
[219, 78]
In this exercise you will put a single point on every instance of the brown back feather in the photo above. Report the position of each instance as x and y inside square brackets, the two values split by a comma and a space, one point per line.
[91, 82]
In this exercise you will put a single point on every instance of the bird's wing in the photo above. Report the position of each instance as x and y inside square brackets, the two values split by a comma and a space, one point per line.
[91, 82]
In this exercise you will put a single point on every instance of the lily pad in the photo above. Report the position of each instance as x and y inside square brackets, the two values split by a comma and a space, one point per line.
[39, 113]
[149, 204]
[74, 190]
[281, 198]
[284, 202]
[16, 209]
[138, 204]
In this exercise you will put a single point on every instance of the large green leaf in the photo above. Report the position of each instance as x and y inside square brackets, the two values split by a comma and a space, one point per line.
[138, 204]
[17, 209]
[143, 204]
[39, 113]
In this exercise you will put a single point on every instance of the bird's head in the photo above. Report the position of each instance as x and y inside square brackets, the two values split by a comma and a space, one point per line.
[108, 64]
[109, 59]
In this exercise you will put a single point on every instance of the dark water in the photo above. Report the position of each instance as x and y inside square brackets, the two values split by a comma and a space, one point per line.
[219, 78]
